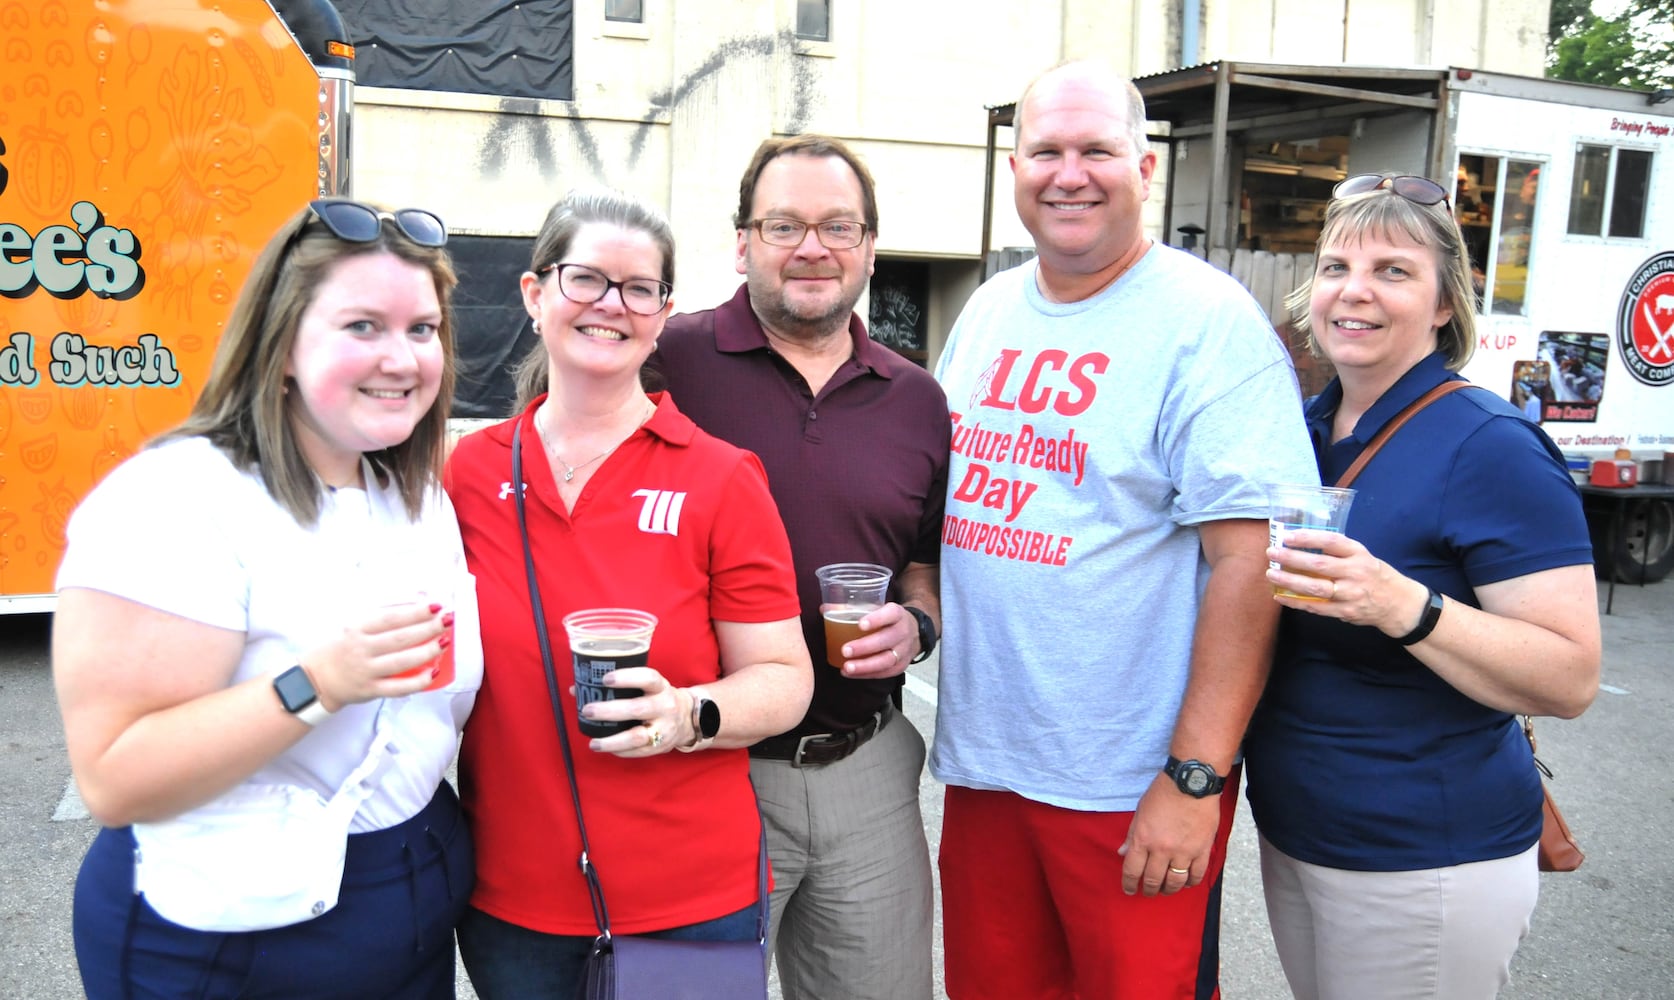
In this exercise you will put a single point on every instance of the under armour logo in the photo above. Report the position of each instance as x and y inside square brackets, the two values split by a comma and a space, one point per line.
[660, 514]
[506, 490]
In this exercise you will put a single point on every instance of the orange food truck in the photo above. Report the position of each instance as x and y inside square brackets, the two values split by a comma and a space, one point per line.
[148, 149]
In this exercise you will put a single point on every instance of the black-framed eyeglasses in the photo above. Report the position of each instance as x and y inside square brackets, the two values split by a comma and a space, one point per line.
[354, 222]
[833, 234]
[1418, 190]
[587, 285]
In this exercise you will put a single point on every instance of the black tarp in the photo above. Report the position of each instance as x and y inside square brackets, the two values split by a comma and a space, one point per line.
[491, 329]
[505, 48]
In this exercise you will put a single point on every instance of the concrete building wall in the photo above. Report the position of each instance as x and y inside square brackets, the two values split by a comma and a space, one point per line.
[671, 108]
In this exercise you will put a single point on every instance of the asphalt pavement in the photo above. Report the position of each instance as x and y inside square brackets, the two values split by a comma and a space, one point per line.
[1604, 932]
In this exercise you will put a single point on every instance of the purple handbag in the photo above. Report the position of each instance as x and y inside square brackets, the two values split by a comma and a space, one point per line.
[630, 967]
[637, 967]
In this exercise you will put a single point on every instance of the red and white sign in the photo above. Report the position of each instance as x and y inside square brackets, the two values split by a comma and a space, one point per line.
[1645, 321]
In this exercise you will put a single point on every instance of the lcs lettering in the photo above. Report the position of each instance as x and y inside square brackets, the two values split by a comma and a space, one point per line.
[68, 262]
[1053, 380]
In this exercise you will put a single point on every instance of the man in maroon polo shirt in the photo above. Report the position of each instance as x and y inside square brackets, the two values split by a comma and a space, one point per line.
[855, 441]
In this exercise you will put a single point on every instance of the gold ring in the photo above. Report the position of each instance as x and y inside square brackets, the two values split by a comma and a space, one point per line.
[1179, 871]
[1333, 595]
[656, 737]
[893, 653]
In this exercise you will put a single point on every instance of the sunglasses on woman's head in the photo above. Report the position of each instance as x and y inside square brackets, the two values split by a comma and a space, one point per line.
[1418, 190]
[354, 222]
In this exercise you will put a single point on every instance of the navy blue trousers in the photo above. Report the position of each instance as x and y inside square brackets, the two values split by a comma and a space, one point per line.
[390, 935]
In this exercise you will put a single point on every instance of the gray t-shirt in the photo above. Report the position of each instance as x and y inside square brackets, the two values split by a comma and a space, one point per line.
[1090, 439]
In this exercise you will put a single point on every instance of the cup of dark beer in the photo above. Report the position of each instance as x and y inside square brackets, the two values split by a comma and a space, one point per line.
[603, 640]
[847, 592]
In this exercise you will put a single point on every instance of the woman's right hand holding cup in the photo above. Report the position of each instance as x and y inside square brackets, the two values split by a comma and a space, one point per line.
[390, 652]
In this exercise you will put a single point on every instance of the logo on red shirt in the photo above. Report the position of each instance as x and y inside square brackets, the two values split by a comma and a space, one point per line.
[659, 512]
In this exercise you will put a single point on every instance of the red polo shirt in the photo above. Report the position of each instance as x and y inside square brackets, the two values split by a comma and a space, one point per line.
[859, 471]
[673, 522]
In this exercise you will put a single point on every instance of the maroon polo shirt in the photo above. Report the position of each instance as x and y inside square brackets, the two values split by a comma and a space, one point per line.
[859, 472]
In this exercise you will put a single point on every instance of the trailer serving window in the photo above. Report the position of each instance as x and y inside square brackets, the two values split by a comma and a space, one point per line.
[1495, 202]
[1609, 177]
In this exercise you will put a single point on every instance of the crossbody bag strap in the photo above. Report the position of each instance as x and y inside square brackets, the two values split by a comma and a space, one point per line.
[1394, 425]
[601, 915]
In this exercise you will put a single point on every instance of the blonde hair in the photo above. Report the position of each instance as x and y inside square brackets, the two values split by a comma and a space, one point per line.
[1383, 213]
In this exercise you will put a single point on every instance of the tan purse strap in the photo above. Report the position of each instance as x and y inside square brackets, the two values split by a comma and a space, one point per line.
[1394, 425]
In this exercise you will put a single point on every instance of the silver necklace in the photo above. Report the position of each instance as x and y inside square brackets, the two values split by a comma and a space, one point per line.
[571, 470]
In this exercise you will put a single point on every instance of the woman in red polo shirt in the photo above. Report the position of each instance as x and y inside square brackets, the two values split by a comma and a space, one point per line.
[629, 505]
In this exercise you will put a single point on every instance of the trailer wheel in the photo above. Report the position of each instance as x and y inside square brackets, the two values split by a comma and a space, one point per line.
[1647, 542]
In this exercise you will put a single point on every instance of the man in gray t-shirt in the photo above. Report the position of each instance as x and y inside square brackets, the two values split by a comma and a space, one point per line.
[1118, 407]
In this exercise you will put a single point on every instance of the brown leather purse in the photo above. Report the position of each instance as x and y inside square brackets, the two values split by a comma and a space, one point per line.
[1558, 850]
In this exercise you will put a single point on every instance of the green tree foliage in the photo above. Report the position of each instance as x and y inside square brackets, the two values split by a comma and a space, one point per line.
[1634, 49]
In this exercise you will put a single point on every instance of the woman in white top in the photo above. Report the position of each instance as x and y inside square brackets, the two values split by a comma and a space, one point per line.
[266, 645]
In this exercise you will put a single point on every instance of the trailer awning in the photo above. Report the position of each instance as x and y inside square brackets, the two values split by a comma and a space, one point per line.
[1212, 100]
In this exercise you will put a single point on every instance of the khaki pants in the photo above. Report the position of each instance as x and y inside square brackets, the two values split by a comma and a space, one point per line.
[852, 899]
[1435, 934]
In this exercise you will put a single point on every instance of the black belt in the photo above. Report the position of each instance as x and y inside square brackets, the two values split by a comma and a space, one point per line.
[823, 748]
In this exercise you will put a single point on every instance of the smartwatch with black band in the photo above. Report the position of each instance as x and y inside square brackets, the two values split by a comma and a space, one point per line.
[1426, 621]
[926, 633]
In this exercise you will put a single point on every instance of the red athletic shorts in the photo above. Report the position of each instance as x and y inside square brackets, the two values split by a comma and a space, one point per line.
[1033, 908]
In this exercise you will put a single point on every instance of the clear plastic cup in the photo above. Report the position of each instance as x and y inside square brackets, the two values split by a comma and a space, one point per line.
[1291, 506]
[603, 640]
[847, 592]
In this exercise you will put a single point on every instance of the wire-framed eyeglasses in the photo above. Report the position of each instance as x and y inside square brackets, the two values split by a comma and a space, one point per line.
[1418, 190]
[354, 222]
[587, 285]
[833, 234]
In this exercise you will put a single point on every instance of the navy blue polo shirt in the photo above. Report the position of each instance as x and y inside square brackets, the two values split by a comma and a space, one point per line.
[1359, 757]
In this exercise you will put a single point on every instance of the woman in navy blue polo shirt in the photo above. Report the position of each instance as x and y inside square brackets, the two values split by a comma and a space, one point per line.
[1396, 797]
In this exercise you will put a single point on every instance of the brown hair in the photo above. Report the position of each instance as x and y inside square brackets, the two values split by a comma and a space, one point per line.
[578, 209]
[1384, 213]
[809, 144]
[242, 409]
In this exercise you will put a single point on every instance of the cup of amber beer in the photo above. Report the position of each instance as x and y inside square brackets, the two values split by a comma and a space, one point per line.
[1292, 506]
[848, 591]
[603, 640]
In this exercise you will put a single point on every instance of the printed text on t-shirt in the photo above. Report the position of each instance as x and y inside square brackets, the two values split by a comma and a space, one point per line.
[1006, 464]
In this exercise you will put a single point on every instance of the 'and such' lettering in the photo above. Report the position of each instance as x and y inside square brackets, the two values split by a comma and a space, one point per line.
[75, 362]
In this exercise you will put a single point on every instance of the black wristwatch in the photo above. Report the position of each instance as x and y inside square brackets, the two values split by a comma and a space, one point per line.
[296, 692]
[1194, 777]
[926, 633]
